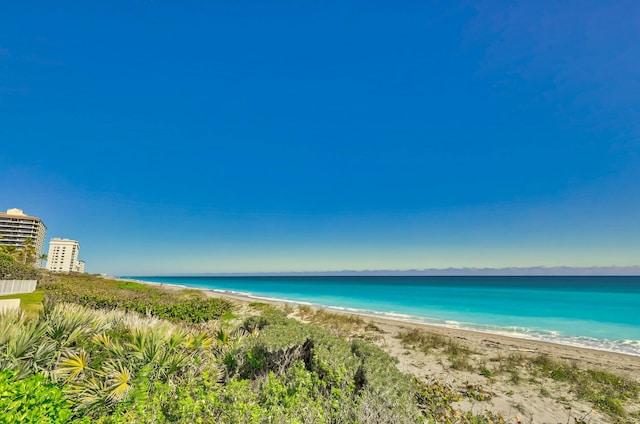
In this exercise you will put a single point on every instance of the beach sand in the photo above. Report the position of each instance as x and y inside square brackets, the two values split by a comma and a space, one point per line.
[516, 392]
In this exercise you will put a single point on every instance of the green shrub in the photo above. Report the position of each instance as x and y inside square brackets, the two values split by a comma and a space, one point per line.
[31, 400]
[98, 293]
[344, 381]
[12, 270]
[131, 285]
[254, 324]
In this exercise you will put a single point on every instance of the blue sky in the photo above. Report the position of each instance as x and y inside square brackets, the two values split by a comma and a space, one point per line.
[192, 136]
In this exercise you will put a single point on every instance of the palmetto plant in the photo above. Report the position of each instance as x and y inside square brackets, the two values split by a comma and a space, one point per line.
[91, 395]
[99, 356]
[118, 378]
[23, 344]
[73, 366]
[69, 325]
[199, 341]
[92, 387]
[176, 339]
[226, 340]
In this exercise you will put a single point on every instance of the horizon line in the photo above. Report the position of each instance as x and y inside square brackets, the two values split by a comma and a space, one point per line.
[633, 270]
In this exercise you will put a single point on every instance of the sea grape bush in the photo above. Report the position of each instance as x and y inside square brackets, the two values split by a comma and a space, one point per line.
[344, 381]
[32, 400]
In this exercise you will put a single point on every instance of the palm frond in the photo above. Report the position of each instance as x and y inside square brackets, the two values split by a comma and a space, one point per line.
[25, 340]
[118, 379]
[73, 365]
[69, 324]
[92, 393]
[201, 341]
[171, 364]
[176, 339]
[138, 341]
[44, 355]
[102, 340]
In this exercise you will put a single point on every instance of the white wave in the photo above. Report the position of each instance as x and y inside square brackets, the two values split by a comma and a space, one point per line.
[395, 314]
[627, 346]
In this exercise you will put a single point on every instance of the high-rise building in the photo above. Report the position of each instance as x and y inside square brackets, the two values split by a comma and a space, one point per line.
[16, 227]
[63, 256]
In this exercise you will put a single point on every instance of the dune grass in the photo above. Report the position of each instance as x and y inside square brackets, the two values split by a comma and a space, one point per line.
[337, 322]
[606, 391]
[427, 342]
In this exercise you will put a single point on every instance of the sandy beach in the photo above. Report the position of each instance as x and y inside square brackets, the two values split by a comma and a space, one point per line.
[510, 386]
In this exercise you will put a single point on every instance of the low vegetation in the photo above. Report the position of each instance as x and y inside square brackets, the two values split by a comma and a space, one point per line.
[428, 342]
[32, 400]
[117, 366]
[188, 305]
[606, 392]
[338, 323]
[12, 269]
[99, 352]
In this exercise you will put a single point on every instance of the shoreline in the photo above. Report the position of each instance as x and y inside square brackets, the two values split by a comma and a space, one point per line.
[535, 396]
[400, 319]
[596, 358]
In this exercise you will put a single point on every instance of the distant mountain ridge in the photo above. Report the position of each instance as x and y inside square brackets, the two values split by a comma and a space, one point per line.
[511, 271]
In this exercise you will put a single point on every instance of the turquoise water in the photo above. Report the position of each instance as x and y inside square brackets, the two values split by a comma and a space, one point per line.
[596, 312]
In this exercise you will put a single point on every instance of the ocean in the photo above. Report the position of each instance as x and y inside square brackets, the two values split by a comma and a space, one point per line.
[596, 312]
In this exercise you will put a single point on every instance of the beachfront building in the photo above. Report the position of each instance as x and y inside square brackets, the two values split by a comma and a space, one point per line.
[63, 256]
[16, 228]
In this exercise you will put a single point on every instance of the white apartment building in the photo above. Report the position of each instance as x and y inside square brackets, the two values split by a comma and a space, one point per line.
[63, 256]
[16, 227]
